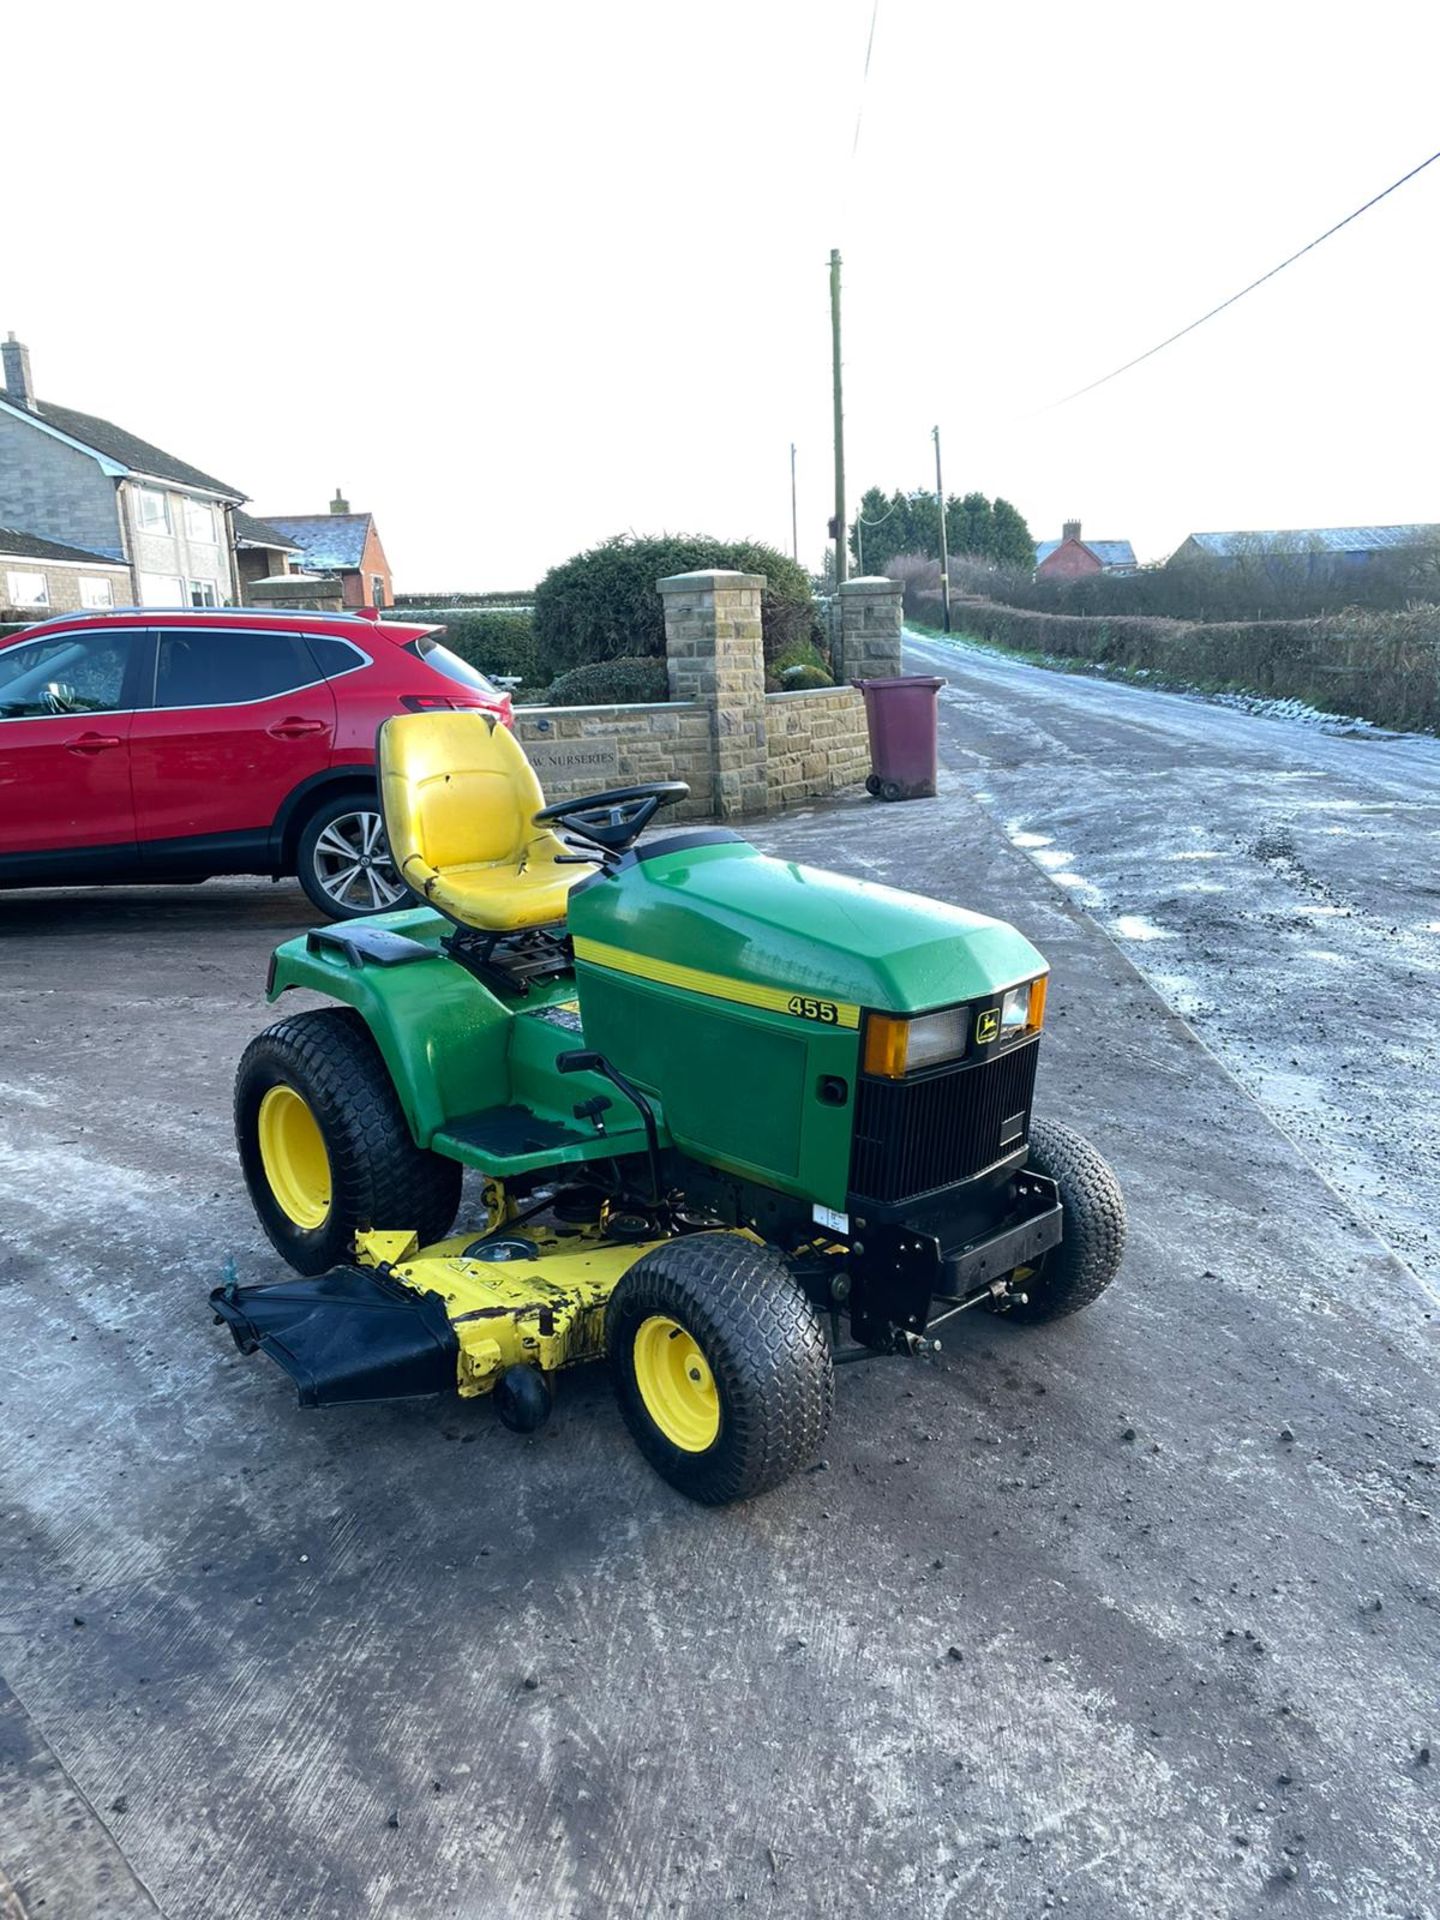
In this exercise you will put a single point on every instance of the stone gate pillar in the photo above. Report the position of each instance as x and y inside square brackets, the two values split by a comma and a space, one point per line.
[867, 633]
[714, 654]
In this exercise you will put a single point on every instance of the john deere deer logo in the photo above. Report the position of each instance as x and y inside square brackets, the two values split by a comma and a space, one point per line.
[987, 1025]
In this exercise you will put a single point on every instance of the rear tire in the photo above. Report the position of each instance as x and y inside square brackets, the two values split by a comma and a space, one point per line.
[343, 862]
[1087, 1259]
[721, 1366]
[317, 1080]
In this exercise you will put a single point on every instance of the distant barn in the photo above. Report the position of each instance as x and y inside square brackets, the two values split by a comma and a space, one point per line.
[1322, 549]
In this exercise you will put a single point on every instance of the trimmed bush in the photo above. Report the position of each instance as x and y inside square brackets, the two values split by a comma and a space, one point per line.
[494, 642]
[804, 653]
[622, 682]
[602, 605]
[803, 674]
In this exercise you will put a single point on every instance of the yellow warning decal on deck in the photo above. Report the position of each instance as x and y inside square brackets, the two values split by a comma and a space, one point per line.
[803, 1006]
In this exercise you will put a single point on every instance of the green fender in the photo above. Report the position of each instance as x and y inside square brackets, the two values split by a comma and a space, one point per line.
[441, 1033]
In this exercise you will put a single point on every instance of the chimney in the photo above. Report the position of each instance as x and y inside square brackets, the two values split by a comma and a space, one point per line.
[338, 505]
[1070, 530]
[17, 373]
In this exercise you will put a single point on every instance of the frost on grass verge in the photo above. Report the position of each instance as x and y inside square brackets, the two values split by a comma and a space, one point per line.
[1239, 699]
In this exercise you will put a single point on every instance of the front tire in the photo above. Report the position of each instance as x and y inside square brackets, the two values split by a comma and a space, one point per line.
[721, 1366]
[1087, 1259]
[343, 860]
[325, 1146]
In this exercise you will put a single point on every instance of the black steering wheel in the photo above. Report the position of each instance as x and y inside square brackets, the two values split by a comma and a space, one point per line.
[615, 820]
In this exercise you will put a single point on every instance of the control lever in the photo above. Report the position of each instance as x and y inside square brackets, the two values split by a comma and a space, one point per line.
[582, 1060]
[592, 1110]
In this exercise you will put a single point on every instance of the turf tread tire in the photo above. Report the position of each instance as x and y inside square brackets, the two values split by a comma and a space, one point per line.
[379, 1177]
[766, 1348]
[1079, 1270]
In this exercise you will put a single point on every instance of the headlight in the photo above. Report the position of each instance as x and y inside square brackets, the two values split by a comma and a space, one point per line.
[1015, 1012]
[1023, 1009]
[895, 1047]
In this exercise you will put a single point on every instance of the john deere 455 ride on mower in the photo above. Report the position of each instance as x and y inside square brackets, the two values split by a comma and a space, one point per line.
[721, 1105]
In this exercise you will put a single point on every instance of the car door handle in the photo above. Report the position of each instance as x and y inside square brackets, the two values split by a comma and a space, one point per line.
[93, 742]
[295, 729]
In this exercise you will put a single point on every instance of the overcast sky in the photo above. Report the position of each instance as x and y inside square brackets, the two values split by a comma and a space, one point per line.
[521, 277]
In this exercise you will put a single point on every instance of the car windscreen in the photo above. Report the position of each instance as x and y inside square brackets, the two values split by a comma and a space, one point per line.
[427, 648]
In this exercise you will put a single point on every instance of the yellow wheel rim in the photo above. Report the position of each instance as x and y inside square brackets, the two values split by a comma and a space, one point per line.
[676, 1384]
[292, 1152]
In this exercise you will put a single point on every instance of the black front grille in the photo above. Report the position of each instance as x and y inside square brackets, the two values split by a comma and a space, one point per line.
[913, 1135]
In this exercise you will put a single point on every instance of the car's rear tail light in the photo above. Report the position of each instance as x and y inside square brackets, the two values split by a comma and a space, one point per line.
[433, 703]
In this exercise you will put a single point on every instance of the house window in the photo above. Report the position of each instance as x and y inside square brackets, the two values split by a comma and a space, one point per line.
[152, 511]
[204, 593]
[160, 590]
[28, 589]
[200, 523]
[377, 589]
[96, 590]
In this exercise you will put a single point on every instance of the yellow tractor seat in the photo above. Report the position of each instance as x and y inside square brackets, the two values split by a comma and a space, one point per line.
[459, 800]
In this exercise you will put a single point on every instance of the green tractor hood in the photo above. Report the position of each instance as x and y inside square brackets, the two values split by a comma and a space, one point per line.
[733, 987]
[726, 910]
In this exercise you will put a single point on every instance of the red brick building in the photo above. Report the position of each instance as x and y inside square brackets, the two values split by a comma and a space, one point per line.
[341, 543]
[1070, 557]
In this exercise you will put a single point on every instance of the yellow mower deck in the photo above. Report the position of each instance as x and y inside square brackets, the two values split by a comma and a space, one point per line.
[507, 1308]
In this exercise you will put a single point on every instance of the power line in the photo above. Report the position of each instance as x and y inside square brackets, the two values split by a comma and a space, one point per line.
[1152, 351]
[860, 105]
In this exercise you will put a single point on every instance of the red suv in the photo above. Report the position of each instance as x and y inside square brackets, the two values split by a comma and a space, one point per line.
[153, 746]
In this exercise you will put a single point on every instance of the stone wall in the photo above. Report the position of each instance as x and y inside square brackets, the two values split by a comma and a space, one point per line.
[580, 750]
[318, 592]
[740, 750]
[815, 743]
[866, 629]
[715, 653]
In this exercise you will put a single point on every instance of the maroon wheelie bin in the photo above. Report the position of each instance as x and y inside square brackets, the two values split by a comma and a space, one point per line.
[902, 715]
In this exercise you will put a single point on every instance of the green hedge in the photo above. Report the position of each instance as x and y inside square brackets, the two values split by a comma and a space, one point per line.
[426, 602]
[1382, 666]
[602, 605]
[494, 642]
[802, 675]
[611, 683]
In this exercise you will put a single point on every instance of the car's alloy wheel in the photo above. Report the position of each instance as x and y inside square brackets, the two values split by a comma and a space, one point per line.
[352, 866]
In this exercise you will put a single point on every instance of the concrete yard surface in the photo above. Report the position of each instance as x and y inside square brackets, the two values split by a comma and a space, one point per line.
[1136, 1614]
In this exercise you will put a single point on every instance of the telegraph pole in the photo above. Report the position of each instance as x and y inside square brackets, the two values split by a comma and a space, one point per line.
[944, 556]
[794, 515]
[842, 570]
